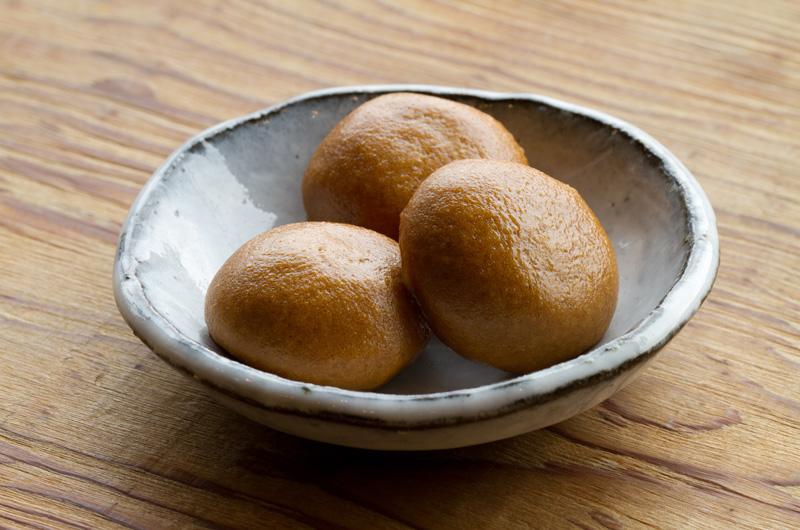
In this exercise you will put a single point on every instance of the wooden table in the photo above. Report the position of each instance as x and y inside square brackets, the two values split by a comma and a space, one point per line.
[96, 432]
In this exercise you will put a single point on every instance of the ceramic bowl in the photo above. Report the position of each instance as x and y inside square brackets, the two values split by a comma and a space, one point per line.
[243, 177]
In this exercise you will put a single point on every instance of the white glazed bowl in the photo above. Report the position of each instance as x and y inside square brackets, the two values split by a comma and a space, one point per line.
[243, 177]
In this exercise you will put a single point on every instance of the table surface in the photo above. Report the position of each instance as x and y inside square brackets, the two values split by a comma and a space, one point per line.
[96, 432]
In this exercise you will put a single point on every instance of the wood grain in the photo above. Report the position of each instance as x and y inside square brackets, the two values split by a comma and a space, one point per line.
[95, 432]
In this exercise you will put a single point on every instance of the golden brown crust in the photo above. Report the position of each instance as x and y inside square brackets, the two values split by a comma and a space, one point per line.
[366, 169]
[511, 267]
[317, 302]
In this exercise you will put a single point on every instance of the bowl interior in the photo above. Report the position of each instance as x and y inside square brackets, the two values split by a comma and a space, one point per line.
[246, 179]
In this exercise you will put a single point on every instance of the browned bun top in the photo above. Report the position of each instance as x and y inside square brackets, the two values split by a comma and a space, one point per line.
[511, 266]
[366, 169]
[317, 302]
